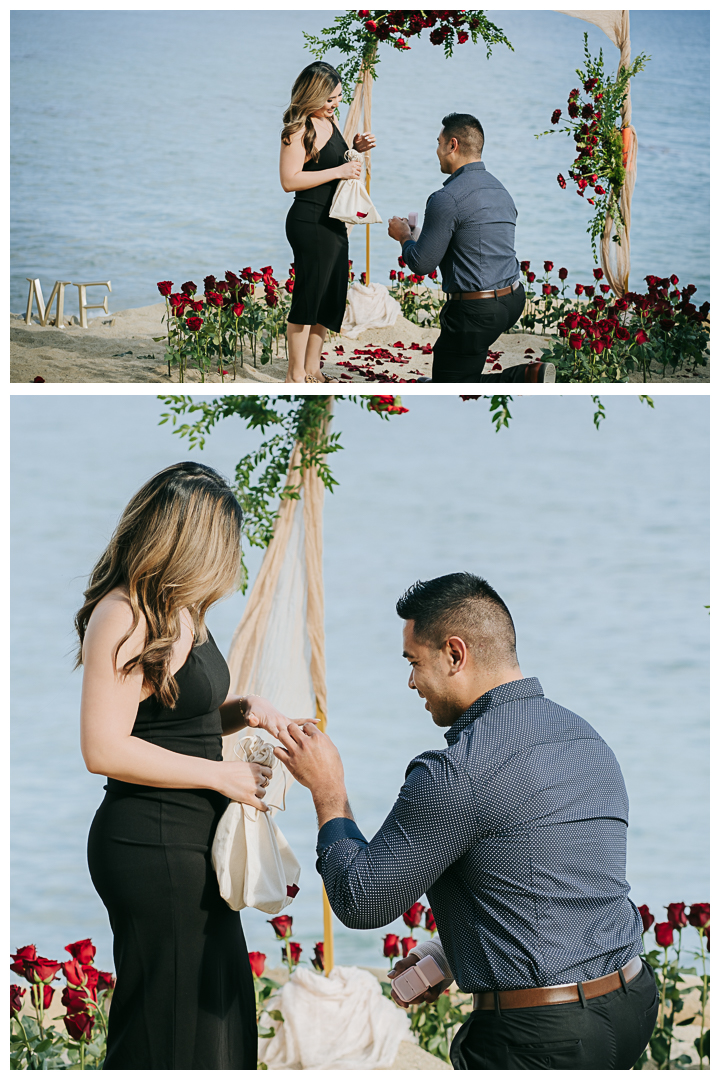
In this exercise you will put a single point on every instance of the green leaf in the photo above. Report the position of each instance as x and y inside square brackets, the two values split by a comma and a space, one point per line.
[684, 1023]
[275, 1014]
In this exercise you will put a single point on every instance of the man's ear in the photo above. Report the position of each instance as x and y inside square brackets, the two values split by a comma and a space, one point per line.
[457, 652]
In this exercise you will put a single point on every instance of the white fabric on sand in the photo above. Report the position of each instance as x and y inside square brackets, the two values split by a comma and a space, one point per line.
[339, 1022]
[368, 307]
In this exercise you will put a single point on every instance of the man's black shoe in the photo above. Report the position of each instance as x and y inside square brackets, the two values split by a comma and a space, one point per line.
[539, 372]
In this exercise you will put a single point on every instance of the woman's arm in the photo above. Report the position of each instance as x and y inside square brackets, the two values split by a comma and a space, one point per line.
[292, 159]
[254, 711]
[107, 716]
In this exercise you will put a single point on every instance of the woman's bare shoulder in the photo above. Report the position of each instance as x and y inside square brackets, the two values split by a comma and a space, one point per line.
[111, 620]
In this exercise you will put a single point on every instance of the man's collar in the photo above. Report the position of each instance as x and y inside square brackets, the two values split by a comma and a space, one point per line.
[472, 166]
[499, 695]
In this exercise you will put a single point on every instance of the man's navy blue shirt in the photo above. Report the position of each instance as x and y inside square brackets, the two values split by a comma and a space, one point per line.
[469, 232]
[516, 832]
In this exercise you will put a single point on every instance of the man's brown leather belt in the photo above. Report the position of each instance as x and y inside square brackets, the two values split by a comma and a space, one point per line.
[490, 294]
[558, 995]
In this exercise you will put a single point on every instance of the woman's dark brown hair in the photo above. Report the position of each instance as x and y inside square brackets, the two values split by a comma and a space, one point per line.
[313, 87]
[176, 546]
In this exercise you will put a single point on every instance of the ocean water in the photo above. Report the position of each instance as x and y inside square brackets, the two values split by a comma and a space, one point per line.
[597, 540]
[145, 143]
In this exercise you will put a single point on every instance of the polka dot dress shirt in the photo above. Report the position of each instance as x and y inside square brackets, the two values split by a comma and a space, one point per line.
[516, 832]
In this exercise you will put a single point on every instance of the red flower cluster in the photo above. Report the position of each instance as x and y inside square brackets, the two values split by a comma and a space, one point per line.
[386, 403]
[80, 995]
[396, 26]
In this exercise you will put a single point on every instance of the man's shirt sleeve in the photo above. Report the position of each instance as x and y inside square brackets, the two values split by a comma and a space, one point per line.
[433, 822]
[424, 255]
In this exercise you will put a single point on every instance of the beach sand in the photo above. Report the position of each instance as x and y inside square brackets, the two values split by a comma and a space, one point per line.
[120, 348]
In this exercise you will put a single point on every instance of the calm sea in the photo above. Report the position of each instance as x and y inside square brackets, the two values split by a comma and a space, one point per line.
[145, 143]
[597, 540]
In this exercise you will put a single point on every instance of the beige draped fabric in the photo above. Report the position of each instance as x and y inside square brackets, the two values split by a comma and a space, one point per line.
[361, 105]
[615, 258]
[278, 649]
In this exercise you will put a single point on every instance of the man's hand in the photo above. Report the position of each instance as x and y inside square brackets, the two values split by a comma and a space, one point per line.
[431, 994]
[399, 229]
[315, 763]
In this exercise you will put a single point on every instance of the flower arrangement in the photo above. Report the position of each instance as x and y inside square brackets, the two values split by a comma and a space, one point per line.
[593, 124]
[668, 975]
[357, 34]
[210, 330]
[37, 1044]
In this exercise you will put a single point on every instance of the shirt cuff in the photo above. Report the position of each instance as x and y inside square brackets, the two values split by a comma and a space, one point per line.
[434, 948]
[339, 828]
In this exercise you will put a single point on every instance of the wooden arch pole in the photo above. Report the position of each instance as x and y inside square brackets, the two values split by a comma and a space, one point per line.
[361, 105]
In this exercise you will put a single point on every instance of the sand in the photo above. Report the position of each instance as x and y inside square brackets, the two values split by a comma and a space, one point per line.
[120, 348]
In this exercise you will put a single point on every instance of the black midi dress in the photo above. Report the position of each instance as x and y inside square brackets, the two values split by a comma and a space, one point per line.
[320, 246]
[184, 997]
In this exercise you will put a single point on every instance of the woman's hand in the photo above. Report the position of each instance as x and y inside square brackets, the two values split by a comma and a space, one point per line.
[351, 170]
[244, 782]
[363, 143]
[259, 712]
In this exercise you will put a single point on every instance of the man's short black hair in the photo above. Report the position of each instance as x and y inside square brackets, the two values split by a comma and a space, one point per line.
[467, 130]
[466, 606]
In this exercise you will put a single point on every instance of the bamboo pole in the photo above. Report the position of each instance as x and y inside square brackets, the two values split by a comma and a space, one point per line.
[328, 943]
[367, 123]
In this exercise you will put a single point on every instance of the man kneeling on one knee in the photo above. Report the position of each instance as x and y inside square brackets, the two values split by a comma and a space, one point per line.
[469, 232]
[516, 832]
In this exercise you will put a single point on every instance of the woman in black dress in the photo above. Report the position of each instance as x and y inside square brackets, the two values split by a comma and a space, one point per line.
[154, 709]
[312, 162]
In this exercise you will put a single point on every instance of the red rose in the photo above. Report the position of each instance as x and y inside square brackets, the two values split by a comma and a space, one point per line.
[48, 992]
[400, 277]
[674, 279]
[232, 279]
[599, 303]
[164, 287]
[391, 945]
[210, 282]
[462, 37]
[562, 273]
[413, 916]
[525, 266]
[641, 337]
[547, 291]
[572, 319]
[548, 266]
[247, 273]
[530, 276]
[189, 288]
[17, 993]
[597, 273]
[407, 943]
[295, 950]
[289, 285]
[598, 345]
[196, 305]
[573, 110]
[282, 925]
[393, 275]
[238, 310]
[41, 970]
[78, 1001]
[28, 952]
[605, 288]
[621, 304]
[591, 202]
[430, 921]
[257, 962]
[576, 341]
[573, 94]
[676, 914]
[82, 951]
[371, 26]
[106, 981]
[699, 914]
[194, 323]
[664, 934]
[79, 1026]
[599, 190]
[556, 116]
[623, 335]
[214, 298]
[647, 918]
[433, 275]
[589, 290]
[318, 960]
[271, 298]
[401, 262]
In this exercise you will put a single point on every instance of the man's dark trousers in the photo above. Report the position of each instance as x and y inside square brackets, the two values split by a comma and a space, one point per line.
[467, 330]
[610, 1032]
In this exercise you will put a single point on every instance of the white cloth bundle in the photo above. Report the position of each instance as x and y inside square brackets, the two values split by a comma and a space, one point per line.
[351, 202]
[253, 861]
[339, 1022]
[368, 307]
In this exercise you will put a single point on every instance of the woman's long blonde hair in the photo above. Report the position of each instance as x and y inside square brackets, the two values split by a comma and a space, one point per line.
[177, 545]
[311, 90]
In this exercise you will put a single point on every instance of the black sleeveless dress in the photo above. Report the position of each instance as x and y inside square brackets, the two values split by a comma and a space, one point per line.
[184, 997]
[320, 246]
